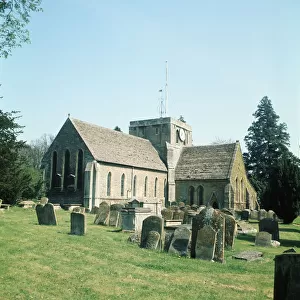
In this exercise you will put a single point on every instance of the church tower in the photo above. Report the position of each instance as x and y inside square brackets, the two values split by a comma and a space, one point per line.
[168, 136]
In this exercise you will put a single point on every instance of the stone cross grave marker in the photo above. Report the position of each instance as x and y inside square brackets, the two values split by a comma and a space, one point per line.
[180, 241]
[271, 226]
[216, 220]
[153, 223]
[263, 239]
[206, 243]
[78, 223]
[46, 214]
[102, 216]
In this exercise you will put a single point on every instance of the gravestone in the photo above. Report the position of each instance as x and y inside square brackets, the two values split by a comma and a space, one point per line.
[230, 231]
[248, 255]
[227, 211]
[245, 214]
[152, 240]
[78, 223]
[216, 220]
[168, 239]
[79, 209]
[115, 218]
[134, 203]
[167, 214]
[153, 223]
[287, 277]
[206, 243]
[180, 241]
[46, 214]
[263, 239]
[254, 214]
[102, 216]
[271, 215]
[262, 214]
[95, 210]
[271, 226]
[178, 215]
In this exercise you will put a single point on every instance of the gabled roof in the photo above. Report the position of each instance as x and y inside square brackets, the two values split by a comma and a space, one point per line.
[205, 162]
[112, 146]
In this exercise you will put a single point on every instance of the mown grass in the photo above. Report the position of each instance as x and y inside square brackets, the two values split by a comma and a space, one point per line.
[46, 262]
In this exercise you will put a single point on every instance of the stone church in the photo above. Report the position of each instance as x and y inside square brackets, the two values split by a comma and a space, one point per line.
[155, 163]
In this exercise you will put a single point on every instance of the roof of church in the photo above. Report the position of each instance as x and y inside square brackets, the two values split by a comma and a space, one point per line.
[205, 162]
[108, 145]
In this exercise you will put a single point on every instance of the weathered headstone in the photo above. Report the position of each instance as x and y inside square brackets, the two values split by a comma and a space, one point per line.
[216, 220]
[115, 218]
[245, 214]
[78, 223]
[271, 214]
[95, 210]
[44, 200]
[46, 214]
[102, 216]
[254, 214]
[167, 214]
[271, 226]
[152, 240]
[263, 239]
[287, 277]
[262, 214]
[248, 255]
[134, 203]
[180, 241]
[230, 231]
[206, 243]
[153, 223]
[79, 209]
[178, 215]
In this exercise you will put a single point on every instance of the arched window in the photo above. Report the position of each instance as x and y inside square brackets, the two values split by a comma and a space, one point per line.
[146, 187]
[54, 169]
[242, 191]
[134, 186]
[237, 199]
[200, 195]
[177, 136]
[80, 169]
[122, 184]
[214, 201]
[155, 187]
[108, 190]
[66, 168]
[191, 194]
[166, 192]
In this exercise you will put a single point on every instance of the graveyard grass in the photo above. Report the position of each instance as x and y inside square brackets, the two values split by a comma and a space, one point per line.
[46, 262]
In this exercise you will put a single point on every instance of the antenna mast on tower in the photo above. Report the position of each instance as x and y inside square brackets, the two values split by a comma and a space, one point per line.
[166, 89]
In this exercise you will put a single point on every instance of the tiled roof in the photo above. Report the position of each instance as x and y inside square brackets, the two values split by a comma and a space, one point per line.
[205, 162]
[112, 146]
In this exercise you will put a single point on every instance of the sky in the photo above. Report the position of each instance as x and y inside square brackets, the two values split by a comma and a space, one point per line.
[103, 62]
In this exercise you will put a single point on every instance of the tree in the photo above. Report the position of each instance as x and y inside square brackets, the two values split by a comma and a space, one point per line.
[220, 141]
[14, 178]
[283, 192]
[267, 141]
[117, 128]
[14, 16]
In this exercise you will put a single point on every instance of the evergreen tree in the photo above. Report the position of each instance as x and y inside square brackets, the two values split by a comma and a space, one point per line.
[267, 141]
[283, 192]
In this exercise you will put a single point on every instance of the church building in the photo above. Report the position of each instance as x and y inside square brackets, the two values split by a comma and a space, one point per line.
[155, 163]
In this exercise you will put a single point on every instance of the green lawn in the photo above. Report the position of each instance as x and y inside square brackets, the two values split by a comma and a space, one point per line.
[45, 262]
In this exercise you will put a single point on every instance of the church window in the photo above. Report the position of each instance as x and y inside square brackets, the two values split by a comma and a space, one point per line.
[134, 186]
[80, 169]
[177, 136]
[146, 187]
[165, 192]
[242, 191]
[237, 199]
[200, 195]
[66, 168]
[122, 184]
[54, 170]
[108, 190]
[156, 130]
[155, 187]
[191, 195]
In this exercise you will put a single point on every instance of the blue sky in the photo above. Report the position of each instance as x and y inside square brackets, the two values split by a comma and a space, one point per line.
[104, 62]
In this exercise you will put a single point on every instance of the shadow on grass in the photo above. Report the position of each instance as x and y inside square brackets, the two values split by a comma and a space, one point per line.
[289, 230]
[246, 237]
[289, 243]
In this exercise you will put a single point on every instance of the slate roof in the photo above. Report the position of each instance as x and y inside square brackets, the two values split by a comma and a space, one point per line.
[205, 162]
[112, 146]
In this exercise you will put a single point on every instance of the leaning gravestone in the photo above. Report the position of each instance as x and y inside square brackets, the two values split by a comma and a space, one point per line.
[102, 215]
[78, 223]
[216, 220]
[263, 239]
[152, 241]
[46, 214]
[287, 277]
[206, 243]
[152, 223]
[230, 231]
[167, 214]
[180, 241]
[271, 226]
[114, 218]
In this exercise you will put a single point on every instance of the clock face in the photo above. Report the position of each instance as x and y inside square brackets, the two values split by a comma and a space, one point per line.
[182, 134]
